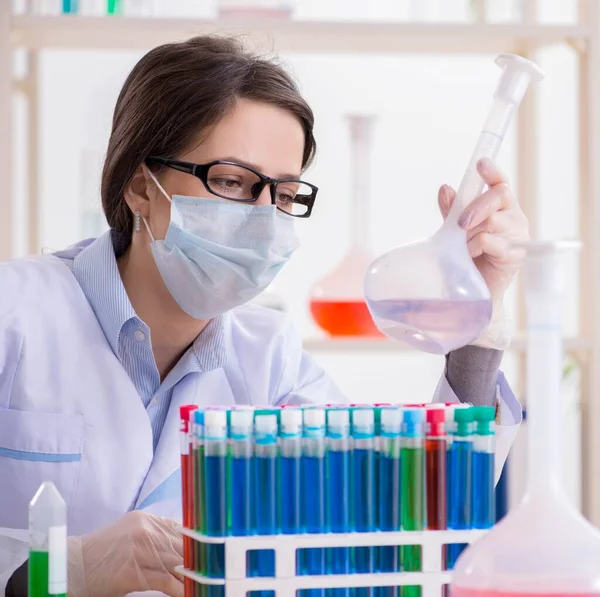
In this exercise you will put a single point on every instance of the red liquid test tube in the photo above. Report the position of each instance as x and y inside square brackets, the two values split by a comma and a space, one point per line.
[187, 492]
[435, 465]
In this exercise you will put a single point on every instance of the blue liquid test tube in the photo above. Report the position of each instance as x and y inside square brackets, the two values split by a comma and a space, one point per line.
[312, 561]
[483, 501]
[241, 436]
[460, 478]
[215, 488]
[363, 481]
[388, 558]
[265, 485]
[338, 491]
[290, 458]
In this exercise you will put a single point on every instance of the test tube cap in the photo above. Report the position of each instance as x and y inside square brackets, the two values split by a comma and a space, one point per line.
[185, 412]
[215, 419]
[391, 421]
[291, 421]
[484, 419]
[314, 417]
[199, 417]
[363, 416]
[463, 418]
[266, 423]
[435, 422]
[241, 419]
[338, 418]
[412, 422]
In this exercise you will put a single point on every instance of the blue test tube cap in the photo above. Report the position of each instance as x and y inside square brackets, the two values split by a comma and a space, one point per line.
[413, 420]
[199, 417]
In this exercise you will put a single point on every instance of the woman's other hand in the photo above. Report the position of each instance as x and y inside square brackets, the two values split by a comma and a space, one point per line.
[139, 552]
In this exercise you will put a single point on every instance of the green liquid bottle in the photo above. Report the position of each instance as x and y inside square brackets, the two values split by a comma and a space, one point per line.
[48, 543]
[114, 7]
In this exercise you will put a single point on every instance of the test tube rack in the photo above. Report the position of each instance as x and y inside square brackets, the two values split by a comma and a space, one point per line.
[286, 581]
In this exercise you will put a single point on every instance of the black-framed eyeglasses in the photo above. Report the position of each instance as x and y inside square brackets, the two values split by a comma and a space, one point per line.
[238, 182]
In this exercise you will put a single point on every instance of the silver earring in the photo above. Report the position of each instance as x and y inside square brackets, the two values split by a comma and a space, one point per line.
[138, 222]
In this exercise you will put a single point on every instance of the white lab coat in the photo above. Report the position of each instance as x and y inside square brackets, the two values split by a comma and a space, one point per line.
[69, 412]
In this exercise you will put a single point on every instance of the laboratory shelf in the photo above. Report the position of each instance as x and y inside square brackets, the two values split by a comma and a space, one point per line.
[288, 35]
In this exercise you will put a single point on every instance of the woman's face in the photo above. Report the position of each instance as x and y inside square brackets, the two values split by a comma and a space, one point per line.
[262, 136]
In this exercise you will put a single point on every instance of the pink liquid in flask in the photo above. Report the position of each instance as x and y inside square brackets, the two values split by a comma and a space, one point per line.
[433, 324]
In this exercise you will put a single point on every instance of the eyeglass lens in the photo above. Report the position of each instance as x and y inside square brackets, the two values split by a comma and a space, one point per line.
[239, 184]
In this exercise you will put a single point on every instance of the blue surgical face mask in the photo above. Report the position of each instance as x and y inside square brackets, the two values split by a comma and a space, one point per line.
[218, 255]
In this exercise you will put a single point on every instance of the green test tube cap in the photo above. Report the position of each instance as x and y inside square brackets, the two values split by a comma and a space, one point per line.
[484, 417]
[463, 417]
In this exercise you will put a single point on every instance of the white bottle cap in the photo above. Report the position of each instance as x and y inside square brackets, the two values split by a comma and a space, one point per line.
[338, 417]
[314, 417]
[391, 418]
[363, 417]
[215, 419]
[242, 419]
[291, 420]
[265, 424]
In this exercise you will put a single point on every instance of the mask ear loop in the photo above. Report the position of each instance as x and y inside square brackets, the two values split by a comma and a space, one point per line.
[160, 188]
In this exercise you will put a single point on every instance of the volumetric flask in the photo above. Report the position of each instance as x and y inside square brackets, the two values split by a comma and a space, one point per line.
[543, 546]
[429, 293]
[337, 303]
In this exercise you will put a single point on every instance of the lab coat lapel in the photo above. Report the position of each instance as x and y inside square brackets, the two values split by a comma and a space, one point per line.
[201, 389]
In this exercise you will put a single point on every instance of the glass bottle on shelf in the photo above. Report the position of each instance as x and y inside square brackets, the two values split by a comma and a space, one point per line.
[337, 303]
[70, 7]
[256, 8]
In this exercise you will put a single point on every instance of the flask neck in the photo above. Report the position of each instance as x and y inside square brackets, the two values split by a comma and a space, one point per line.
[361, 129]
[544, 374]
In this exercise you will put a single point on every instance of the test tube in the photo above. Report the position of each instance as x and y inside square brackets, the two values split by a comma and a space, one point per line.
[482, 500]
[265, 485]
[338, 490]
[435, 464]
[412, 506]
[460, 479]
[290, 449]
[216, 498]
[363, 475]
[241, 431]
[389, 492]
[187, 491]
[312, 561]
[47, 569]
[199, 493]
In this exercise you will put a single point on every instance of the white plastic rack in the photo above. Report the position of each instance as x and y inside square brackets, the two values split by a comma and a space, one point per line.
[286, 582]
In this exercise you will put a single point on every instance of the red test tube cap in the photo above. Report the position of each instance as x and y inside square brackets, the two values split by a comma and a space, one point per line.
[436, 417]
[185, 413]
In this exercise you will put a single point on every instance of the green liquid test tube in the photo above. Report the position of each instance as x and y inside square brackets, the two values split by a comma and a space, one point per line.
[47, 572]
[412, 502]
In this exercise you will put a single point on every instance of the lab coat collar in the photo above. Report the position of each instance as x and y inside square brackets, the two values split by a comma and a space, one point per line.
[96, 271]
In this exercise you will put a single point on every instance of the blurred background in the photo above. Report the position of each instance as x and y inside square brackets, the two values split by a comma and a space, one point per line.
[423, 73]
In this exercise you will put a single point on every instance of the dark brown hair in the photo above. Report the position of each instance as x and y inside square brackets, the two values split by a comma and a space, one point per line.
[178, 91]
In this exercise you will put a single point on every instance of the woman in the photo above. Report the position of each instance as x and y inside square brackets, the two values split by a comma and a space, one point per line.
[101, 344]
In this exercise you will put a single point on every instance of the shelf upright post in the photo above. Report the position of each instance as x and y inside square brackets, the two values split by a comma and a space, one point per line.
[6, 136]
[589, 223]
